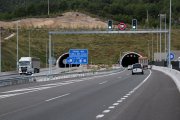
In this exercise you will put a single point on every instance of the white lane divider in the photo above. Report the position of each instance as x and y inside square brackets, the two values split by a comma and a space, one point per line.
[115, 104]
[99, 116]
[106, 111]
[22, 91]
[57, 97]
[103, 82]
[122, 99]
[111, 107]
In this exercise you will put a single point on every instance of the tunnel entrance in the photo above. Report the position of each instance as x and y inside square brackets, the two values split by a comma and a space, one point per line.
[61, 62]
[130, 58]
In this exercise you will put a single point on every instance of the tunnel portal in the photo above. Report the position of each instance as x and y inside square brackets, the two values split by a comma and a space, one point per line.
[61, 62]
[129, 59]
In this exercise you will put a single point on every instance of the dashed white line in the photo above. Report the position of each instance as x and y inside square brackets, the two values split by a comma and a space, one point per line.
[111, 107]
[57, 97]
[99, 116]
[123, 98]
[106, 111]
[103, 82]
[119, 101]
[115, 104]
[120, 77]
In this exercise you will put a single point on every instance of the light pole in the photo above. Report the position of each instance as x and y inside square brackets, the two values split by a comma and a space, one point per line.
[29, 43]
[157, 42]
[0, 47]
[152, 49]
[17, 58]
[50, 56]
[165, 44]
[162, 16]
[48, 7]
[169, 42]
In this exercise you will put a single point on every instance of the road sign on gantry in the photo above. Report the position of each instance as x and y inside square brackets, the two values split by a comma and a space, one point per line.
[122, 26]
[78, 56]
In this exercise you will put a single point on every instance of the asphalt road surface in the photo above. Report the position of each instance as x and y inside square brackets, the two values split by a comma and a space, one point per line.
[117, 96]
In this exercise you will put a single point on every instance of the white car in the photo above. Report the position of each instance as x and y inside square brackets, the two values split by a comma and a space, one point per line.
[137, 69]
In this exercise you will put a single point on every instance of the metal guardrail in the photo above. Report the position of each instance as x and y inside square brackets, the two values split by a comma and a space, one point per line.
[40, 78]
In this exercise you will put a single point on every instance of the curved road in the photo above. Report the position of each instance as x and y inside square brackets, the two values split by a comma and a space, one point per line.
[118, 96]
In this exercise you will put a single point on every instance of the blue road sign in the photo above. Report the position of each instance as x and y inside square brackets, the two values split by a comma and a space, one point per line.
[78, 56]
[172, 56]
[69, 60]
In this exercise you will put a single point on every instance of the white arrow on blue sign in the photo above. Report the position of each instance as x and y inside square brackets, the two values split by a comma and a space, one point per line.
[78, 56]
[172, 56]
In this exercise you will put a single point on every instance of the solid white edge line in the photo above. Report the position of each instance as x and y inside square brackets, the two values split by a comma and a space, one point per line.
[57, 97]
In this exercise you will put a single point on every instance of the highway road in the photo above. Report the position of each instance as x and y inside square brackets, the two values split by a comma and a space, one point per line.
[115, 96]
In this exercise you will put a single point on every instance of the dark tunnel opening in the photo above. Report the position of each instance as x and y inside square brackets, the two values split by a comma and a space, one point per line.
[129, 59]
[62, 62]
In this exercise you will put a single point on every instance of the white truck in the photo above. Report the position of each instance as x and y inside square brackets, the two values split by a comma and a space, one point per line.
[29, 65]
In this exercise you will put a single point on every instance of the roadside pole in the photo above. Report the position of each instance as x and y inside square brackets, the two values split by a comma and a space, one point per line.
[0, 48]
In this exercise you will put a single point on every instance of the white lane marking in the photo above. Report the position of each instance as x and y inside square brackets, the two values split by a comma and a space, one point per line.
[119, 101]
[106, 111]
[131, 92]
[57, 97]
[111, 107]
[15, 94]
[103, 82]
[120, 77]
[127, 74]
[46, 86]
[125, 96]
[99, 116]
[142, 82]
[115, 104]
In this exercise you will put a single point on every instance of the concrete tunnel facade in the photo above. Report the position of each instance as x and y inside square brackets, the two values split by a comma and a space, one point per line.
[61, 61]
[127, 59]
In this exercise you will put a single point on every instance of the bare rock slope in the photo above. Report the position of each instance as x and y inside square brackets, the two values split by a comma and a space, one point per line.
[70, 20]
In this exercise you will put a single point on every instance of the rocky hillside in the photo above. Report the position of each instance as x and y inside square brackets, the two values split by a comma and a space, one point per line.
[68, 20]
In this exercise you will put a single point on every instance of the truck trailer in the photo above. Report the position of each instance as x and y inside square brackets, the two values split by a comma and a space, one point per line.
[29, 65]
[143, 61]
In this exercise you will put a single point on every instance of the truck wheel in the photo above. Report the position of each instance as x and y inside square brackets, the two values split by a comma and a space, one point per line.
[38, 70]
[35, 70]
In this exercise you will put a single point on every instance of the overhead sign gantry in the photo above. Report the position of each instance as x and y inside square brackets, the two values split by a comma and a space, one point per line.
[97, 32]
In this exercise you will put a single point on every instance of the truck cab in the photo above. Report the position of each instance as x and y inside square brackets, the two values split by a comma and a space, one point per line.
[29, 65]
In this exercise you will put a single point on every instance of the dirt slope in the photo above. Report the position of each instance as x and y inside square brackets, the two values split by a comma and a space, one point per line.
[67, 20]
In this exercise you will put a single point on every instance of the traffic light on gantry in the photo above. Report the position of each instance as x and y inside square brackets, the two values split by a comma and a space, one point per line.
[110, 24]
[134, 24]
